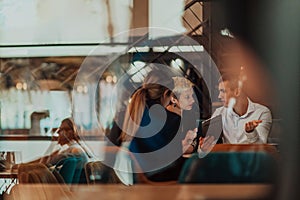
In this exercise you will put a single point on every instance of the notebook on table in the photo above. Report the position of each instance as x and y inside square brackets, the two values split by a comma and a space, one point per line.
[213, 127]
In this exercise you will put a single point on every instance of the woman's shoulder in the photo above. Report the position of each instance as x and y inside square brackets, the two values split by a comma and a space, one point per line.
[74, 148]
[173, 115]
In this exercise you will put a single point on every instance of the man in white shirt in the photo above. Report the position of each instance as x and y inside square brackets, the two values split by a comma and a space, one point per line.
[244, 122]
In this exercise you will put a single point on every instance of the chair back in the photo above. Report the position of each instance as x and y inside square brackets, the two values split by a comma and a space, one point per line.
[230, 167]
[79, 174]
[72, 170]
[66, 168]
[276, 131]
[97, 172]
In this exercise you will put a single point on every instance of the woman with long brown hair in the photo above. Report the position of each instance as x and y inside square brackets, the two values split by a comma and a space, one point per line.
[150, 131]
[68, 145]
[67, 135]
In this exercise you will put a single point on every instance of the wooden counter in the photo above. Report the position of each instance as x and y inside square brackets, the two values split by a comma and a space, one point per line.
[137, 192]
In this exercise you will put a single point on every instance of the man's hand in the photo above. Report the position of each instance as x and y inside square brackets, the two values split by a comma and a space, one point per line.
[250, 126]
[207, 143]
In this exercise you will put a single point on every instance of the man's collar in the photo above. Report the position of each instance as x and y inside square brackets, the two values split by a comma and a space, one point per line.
[250, 109]
[251, 106]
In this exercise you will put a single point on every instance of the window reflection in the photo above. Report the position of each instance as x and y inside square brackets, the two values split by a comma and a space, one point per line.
[18, 105]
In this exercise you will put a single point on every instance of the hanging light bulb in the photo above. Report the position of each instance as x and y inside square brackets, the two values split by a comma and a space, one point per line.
[19, 86]
[24, 86]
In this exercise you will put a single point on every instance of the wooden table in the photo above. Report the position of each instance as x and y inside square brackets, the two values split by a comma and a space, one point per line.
[245, 147]
[267, 148]
[138, 192]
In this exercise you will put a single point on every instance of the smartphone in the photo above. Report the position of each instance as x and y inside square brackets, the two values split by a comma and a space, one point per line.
[199, 126]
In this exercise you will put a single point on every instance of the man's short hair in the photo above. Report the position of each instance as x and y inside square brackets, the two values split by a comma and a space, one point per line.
[233, 80]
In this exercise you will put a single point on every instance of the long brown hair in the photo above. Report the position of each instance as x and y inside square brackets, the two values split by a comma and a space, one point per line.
[75, 136]
[71, 124]
[154, 87]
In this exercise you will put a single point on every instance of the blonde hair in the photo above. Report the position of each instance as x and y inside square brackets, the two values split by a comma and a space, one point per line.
[181, 84]
[154, 87]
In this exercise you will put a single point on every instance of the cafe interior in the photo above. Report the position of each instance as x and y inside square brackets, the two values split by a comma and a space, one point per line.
[85, 59]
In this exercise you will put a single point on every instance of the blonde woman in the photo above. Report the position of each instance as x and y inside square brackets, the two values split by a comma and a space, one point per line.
[181, 103]
[182, 98]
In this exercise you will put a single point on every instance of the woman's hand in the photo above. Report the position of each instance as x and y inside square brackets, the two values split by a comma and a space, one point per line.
[188, 140]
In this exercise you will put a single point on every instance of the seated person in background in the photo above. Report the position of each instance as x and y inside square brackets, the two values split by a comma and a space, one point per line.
[69, 147]
[244, 122]
[67, 135]
[181, 103]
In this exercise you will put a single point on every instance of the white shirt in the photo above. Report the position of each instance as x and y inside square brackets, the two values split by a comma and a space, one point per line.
[234, 125]
[123, 165]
